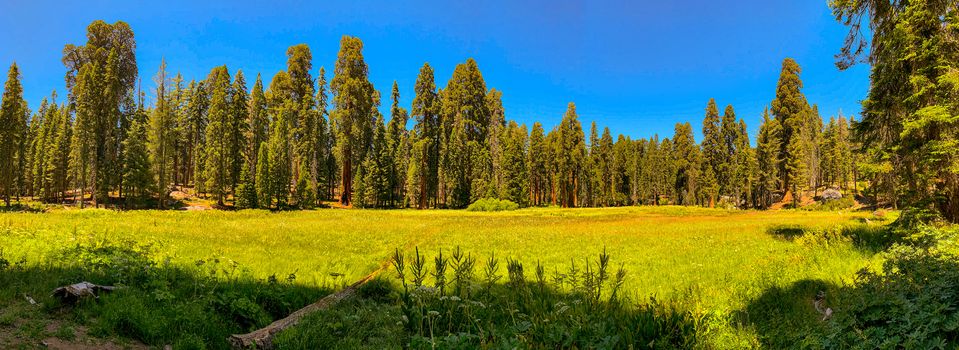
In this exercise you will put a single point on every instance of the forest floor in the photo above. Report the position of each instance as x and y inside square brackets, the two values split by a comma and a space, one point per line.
[714, 261]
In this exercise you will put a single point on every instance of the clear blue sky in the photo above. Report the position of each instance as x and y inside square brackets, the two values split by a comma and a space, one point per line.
[635, 66]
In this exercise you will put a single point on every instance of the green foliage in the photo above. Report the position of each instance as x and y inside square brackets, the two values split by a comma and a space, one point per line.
[909, 303]
[844, 203]
[159, 304]
[12, 130]
[538, 311]
[353, 104]
[264, 186]
[137, 174]
[492, 204]
[909, 128]
[246, 191]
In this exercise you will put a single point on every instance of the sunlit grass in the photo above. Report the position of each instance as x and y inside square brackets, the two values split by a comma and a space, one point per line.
[715, 260]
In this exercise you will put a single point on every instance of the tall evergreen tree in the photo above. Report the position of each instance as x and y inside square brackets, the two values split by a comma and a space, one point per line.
[105, 93]
[281, 158]
[686, 156]
[264, 186]
[571, 145]
[137, 174]
[465, 118]
[714, 151]
[513, 162]
[11, 132]
[218, 137]
[790, 110]
[426, 111]
[352, 108]
[768, 151]
[909, 126]
[237, 128]
[538, 161]
[161, 136]
[258, 124]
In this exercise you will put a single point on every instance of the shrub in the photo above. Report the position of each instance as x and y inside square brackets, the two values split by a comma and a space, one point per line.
[833, 204]
[492, 204]
[910, 304]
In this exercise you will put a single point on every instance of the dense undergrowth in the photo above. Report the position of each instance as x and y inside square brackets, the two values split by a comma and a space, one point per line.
[157, 303]
[492, 204]
[909, 302]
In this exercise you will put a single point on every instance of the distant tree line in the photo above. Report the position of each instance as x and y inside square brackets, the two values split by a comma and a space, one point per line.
[301, 141]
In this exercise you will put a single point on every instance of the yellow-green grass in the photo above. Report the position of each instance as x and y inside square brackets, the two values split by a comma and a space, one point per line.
[715, 260]
[664, 249]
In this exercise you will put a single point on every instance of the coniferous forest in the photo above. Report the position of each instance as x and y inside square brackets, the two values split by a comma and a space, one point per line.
[299, 141]
[811, 229]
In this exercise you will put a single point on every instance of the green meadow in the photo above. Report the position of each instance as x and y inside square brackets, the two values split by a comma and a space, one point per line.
[710, 263]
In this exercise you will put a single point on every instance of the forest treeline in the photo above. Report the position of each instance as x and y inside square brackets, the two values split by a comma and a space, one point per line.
[300, 141]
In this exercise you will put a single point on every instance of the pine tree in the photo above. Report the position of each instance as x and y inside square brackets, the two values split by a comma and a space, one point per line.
[218, 137]
[161, 136]
[237, 128]
[396, 137]
[768, 146]
[572, 148]
[513, 162]
[11, 133]
[709, 186]
[136, 171]
[246, 190]
[465, 118]
[593, 169]
[259, 124]
[686, 156]
[537, 159]
[714, 151]
[194, 134]
[101, 77]
[57, 172]
[280, 158]
[352, 106]
[426, 111]
[726, 168]
[790, 111]
[325, 156]
[264, 184]
[304, 196]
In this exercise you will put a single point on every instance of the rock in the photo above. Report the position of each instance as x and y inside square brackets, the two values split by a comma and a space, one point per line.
[831, 194]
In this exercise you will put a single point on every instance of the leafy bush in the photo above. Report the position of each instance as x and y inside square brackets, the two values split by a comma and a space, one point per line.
[912, 303]
[843, 203]
[492, 204]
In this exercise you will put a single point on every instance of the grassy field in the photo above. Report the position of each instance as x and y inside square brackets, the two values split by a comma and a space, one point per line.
[715, 261]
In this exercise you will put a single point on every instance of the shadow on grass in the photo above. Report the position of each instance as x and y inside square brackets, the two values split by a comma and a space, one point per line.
[193, 307]
[29, 207]
[506, 316]
[784, 318]
[866, 238]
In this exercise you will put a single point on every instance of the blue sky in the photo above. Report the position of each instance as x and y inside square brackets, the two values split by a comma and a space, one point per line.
[635, 66]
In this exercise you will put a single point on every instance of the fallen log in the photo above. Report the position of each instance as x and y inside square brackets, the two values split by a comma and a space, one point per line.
[263, 337]
[74, 292]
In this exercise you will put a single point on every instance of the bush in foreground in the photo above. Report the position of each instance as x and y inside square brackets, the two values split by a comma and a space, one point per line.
[492, 204]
